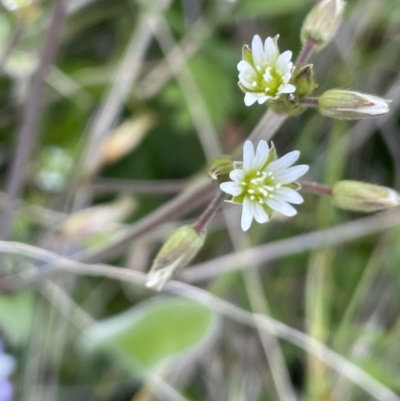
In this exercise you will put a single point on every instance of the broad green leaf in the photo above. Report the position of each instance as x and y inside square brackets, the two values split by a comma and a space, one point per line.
[270, 8]
[16, 315]
[151, 334]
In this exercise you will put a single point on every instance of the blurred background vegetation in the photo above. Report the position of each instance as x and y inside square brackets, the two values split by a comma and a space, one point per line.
[139, 98]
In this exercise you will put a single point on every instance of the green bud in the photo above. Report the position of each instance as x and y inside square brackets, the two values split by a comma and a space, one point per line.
[220, 168]
[349, 105]
[363, 197]
[180, 248]
[303, 79]
[322, 22]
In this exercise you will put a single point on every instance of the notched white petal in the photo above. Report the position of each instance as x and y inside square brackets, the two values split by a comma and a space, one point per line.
[271, 51]
[282, 64]
[260, 215]
[250, 98]
[289, 195]
[291, 174]
[248, 155]
[257, 49]
[287, 88]
[284, 161]
[236, 175]
[282, 207]
[231, 188]
[261, 155]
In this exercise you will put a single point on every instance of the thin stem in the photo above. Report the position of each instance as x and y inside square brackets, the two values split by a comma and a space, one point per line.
[137, 187]
[30, 120]
[316, 188]
[305, 52]
[12, 42]
[265, 253]
[265, 323]
[209, 213]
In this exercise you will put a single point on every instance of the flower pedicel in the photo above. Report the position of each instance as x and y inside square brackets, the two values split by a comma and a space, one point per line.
[263, 183]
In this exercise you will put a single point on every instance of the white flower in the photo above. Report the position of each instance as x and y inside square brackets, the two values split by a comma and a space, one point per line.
[264, 73]
[263, 183]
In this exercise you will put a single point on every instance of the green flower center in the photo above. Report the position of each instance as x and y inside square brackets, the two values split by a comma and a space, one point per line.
[268, 80]
[257, 186]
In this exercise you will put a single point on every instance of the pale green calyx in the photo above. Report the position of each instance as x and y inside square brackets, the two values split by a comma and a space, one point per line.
[220, 168]
[363, 197]
[322, 22]
[264, 73]
[180, 248]
[350, 105]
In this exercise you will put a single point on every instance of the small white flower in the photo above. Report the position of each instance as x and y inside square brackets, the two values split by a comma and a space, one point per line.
[264, 73]
[263, 183]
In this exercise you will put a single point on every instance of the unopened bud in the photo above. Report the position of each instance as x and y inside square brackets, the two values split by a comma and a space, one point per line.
[303, 79]
[220, 168]
[180, 248]
[322, 22]
[98, 219]
[349, 105]
[363, 197]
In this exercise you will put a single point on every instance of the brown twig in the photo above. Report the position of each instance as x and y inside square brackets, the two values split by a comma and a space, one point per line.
[30, 119]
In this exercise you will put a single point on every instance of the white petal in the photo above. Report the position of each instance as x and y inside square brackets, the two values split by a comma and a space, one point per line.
[282, 64]
[287, 88]
[250, 98]
[257, 50]
[260, 215]
[261, 155]
[231, 188]
[247, 214]
[262, 99]
[243, 81]
[271, 51]
[283, 162]
[289, 195]
[242, 65]
[248, 156]
[291, 174]
[281, 207]
[237, 175]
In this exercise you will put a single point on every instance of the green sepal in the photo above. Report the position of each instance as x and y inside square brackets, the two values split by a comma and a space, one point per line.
[303, 79]
[287, 104]
[220, 168]
[247, 55]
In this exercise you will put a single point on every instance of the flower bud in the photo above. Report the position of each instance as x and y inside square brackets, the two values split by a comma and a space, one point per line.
[363, 197]
[322, 22]
[220, 168]
[303, 79]
[348, 105]
[180, 248]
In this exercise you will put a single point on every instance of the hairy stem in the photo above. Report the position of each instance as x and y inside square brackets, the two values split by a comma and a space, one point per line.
[305, 52]
[316, 188]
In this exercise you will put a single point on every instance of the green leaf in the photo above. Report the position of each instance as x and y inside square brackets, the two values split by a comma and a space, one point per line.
[152, 333]
[270, 8]
[15, 316]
